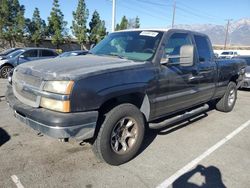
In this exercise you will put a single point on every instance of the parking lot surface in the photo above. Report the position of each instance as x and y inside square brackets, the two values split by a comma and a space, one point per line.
[45, 162]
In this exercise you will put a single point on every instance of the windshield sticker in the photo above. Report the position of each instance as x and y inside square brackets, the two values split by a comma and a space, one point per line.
[149, 33]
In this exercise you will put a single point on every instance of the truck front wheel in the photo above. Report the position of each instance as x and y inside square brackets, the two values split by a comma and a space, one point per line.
[121, 135]
[227, 102]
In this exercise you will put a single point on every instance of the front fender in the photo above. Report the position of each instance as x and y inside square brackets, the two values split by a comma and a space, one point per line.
[120, 90]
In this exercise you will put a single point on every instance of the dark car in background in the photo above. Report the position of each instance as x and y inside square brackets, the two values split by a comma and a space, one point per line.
[22, 56]
[7, 52]
[73, 53]
[246, 83]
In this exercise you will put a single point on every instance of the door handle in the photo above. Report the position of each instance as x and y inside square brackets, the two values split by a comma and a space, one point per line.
[192, 78]
[206, 71]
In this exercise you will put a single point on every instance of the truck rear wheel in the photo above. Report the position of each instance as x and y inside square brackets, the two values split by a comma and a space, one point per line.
[121, 135]
[227, 102]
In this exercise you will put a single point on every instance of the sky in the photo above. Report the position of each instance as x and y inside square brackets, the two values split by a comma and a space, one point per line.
[152, 13]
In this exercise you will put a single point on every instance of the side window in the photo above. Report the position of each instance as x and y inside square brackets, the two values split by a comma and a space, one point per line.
[203, 48]
[30, 53]
[173, 46]
[47, 53]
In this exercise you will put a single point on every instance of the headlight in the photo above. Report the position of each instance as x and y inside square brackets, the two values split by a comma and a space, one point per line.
[60, 87]
[61, 106]
[247, 74]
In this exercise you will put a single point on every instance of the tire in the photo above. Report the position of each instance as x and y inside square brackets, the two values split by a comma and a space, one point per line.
[121, 135]
[227, 102]
[4, 71]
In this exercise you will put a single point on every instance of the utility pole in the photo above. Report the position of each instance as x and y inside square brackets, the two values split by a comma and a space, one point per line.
[173, 19]
[228, 23]
[113, 15]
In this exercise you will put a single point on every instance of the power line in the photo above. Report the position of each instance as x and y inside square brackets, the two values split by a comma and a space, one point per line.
[160, 8]
[202, 13]
[154, 3]
[144, 11]
[190, 12]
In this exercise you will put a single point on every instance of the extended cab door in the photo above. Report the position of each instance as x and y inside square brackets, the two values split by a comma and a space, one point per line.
[177, 89]
[207, 68]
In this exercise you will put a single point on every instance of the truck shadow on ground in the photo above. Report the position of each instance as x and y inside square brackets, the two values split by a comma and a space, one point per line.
[211, 175]
[245, 89]
[4, 137]
[151, 134]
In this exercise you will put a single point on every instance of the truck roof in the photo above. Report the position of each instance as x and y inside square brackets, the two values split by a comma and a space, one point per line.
[160, 30]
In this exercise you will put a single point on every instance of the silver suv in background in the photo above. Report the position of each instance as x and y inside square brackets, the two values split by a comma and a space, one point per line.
[22, 56]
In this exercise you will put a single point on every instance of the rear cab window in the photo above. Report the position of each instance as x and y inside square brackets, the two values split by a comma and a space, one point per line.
[203, 48]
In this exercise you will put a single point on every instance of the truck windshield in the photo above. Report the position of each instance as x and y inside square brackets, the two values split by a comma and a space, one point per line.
[133, 45]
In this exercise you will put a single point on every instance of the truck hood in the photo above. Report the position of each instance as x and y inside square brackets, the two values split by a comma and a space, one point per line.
[74, 68]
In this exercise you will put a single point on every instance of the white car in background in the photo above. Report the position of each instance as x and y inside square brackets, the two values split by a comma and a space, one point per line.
[228, 54]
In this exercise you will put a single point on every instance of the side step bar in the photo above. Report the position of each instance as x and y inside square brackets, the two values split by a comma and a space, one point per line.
[178, 118]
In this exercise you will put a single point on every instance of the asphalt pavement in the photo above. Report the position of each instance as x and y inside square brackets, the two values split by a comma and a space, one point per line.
[211, 150]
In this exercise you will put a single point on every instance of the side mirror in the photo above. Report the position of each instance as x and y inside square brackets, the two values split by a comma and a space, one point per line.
[21, 56]
[187, 55]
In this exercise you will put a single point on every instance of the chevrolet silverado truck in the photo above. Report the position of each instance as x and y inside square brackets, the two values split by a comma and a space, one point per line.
[126, 84]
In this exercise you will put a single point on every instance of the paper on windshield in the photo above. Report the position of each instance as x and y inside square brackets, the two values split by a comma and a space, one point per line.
[149, 33]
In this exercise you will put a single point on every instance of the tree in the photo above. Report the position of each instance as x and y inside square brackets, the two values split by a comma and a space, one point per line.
[56, 26]
[79, 27]
[97, 29]
[4, 15]
[12, 21]
[117, 27]
[134, 23]
[137, 22]
[123, 25]
[36, 27]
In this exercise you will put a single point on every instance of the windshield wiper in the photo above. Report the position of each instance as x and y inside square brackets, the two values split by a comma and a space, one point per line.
[116, 55]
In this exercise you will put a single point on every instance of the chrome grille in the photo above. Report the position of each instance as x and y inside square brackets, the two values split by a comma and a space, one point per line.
[28, 79]
[21, 80]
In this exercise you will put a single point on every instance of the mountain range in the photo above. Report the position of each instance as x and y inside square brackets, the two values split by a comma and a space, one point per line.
[239, 32]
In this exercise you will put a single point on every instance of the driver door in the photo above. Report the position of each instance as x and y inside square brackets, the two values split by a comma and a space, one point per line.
[177, 89]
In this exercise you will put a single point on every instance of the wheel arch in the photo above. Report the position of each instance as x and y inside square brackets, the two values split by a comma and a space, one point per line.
[139, 99]
[7, 64]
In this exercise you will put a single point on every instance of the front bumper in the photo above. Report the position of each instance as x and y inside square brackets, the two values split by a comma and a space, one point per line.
[80, 126]
[246, 83]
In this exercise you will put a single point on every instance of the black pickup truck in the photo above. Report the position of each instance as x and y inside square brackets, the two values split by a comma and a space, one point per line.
[129, 81]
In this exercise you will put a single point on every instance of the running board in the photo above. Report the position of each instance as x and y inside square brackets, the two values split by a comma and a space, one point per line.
[178, 118]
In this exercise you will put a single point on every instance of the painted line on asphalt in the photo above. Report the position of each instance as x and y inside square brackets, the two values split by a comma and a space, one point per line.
[16, 180]
[194, 162]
